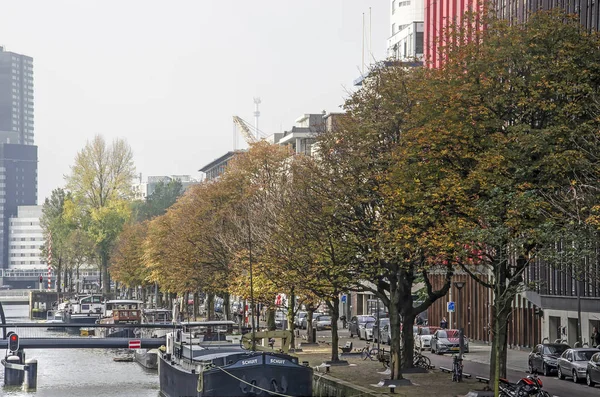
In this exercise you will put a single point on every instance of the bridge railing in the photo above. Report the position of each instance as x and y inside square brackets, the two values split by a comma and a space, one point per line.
[58, 330]
[14, 293]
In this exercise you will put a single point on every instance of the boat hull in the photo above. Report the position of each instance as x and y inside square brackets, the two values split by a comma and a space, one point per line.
[147, 358]
[252, 376]
[85, 320]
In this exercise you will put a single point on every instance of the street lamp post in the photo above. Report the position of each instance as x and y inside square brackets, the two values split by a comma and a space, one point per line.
[461, 334]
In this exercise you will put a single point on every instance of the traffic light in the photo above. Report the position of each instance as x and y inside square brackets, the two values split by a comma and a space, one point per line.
[13, 342]
[41, 279]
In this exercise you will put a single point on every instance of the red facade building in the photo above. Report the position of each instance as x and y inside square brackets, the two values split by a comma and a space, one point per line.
[439, 14]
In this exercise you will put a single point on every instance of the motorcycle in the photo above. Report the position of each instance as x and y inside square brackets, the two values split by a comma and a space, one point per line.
[531, 385]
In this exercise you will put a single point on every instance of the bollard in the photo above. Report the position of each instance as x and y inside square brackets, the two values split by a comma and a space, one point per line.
[30, 375]
[13, 377]
[314, 335]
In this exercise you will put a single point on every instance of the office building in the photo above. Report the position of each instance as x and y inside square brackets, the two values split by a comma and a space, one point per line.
[16, 98]
[18, 186]
[143, 190]
[26, 239]
[405, 43]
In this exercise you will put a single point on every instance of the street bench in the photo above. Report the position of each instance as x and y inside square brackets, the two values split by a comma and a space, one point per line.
[449, 371]
[347, 348]
[482, 379]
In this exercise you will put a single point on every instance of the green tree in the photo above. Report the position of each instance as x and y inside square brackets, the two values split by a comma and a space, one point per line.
[359, 159]
[56, 227]
[511, 120]
[100, 181]
[163, 196]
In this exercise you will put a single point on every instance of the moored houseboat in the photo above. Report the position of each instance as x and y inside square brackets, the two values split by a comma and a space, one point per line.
[210, 364]
[121, 311]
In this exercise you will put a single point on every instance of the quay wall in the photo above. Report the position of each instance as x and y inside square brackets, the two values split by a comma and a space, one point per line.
[328, 386]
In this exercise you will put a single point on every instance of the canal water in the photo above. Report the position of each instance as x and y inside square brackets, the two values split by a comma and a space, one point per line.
[81, 372]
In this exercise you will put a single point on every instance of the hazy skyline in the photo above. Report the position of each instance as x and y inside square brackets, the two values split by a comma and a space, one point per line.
[168, 76]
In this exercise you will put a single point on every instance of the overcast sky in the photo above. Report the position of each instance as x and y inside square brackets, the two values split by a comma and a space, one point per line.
[168, 75]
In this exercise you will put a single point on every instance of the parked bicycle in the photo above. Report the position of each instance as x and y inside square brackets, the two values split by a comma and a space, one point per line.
[457, 368]
[421, 361]
[369, 352]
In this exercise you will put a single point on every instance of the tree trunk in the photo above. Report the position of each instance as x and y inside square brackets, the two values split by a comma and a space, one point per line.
[257, 307]
[196, 306]
[290, 316]
[78, 280]
[334, 308]
[59, 275]
[210, 306]
[71, 280]
[271, 326]
[309, 327]
[395, 347]
[65, 283]
[408, 338]
[227, 306]
[105, 280]
[498, 355]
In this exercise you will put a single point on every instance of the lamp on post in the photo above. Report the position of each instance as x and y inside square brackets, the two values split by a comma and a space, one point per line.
[461, 337]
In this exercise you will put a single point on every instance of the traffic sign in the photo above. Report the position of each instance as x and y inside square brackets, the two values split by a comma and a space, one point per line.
[451, 307]
[344, 298]
[135, 344]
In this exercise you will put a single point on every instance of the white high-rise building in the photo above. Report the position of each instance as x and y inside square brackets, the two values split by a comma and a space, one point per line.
[26, 239]
[406, 30]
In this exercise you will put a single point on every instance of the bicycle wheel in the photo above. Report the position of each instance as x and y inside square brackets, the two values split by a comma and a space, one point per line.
[426, 362]
[373, 353]
[364, 353]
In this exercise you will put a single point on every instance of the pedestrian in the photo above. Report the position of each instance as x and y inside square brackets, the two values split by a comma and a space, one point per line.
[444, 323]
[595, 339]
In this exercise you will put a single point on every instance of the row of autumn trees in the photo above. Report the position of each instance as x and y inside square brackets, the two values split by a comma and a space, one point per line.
[480, 166]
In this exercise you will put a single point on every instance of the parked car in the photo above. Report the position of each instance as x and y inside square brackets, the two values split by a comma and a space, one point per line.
[574, 362]
[543, 357]
[446, 341]
[366, 332]
[280, 320]
[592, 374]
[382, 314]
[355, 321]
[381, 332]
[322, 322]
[300, 320]
[423, 337]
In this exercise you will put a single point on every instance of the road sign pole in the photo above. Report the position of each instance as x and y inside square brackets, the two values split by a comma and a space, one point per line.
[450, 314]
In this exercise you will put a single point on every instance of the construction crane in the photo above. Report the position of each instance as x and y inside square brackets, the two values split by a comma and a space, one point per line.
[249, 132]
[244, 128]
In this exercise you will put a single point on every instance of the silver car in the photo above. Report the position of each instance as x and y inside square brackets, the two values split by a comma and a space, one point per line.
[573, 363]
[447, 341]
[366, 332]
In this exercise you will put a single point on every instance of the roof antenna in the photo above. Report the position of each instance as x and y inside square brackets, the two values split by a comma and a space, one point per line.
[257, 102]
[362, 65]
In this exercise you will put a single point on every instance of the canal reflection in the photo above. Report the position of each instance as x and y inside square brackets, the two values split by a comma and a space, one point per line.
[83, 372]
